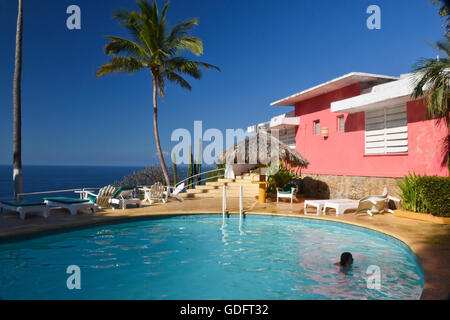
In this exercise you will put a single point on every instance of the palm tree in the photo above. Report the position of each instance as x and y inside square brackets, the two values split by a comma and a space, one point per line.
[17, 130]
[432, 83]
[155, 48]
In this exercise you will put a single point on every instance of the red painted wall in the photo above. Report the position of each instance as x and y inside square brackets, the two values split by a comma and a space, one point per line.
[342, 153]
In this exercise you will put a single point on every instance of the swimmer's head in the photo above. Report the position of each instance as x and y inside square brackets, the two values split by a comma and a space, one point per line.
[346, 259]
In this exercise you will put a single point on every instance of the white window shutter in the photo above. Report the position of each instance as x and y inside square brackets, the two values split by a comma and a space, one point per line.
[386, 130]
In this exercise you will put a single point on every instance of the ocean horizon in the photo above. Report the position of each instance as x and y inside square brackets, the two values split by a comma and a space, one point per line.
[38, 178]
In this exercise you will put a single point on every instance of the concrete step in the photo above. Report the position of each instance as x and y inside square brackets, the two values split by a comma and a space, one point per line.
[229, 191]
[209, 195]
[248, 176]
[225, 180]
[231, 186]
[218, 183]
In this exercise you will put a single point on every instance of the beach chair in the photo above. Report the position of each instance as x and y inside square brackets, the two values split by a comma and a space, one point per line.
[376, 204]
[123, 197]
[23, 207]
[289, 191]
[175, 192]
[319, 205]
[340, 205]
[72, 204]
[369, 204]
[102, 198]
[157, 193]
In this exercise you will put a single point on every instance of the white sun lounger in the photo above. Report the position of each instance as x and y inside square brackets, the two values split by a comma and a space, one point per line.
[72, 204]
[318, 204]
[340, 205]
[24, 207]
[123, 197]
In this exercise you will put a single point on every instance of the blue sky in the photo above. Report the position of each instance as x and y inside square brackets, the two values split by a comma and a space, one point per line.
[266, 49]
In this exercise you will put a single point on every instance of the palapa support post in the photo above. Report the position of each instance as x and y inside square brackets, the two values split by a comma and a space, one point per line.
[262, 186]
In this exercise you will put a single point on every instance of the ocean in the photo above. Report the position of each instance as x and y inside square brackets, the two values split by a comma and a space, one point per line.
[46, 178]
[50, 178]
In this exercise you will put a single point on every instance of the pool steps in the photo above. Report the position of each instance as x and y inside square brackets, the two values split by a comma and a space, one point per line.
[214, 189]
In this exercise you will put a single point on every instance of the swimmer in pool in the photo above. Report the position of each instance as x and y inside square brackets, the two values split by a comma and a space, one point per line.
[346, 261]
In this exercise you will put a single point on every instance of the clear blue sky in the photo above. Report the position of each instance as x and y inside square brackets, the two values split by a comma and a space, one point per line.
[266, 50]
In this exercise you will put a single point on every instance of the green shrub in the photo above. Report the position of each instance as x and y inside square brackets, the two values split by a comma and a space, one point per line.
[426, 194]
[281, 178]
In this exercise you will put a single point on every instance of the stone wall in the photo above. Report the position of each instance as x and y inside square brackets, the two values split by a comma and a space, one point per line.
[352, 187]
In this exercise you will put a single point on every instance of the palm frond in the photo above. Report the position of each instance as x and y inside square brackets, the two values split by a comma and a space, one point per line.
[121, 65]
[185, 66]
[129, 20]
[176, 78]
[119, 45]
[182, 29]
[191, 44]
[432, 82]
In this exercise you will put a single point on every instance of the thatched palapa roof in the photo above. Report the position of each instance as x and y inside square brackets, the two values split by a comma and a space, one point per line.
[262, 149]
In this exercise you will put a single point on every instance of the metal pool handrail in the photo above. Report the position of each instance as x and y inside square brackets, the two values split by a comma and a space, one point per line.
[54, 191]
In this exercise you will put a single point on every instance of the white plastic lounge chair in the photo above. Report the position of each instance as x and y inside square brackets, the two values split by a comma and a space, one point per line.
[72, 204]
[175, 192]
[319, 205]
[376, 204]
[289, 191]
[123, 197]
[369, 204]
[340, 205]
[24, 207]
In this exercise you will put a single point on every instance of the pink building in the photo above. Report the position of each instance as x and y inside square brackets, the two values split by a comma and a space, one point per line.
[365, 125]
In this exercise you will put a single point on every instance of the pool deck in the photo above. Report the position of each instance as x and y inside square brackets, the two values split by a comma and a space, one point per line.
[429, 241]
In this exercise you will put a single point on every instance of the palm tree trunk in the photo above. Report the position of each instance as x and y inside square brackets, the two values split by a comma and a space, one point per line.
[17, 131]
[155, 127]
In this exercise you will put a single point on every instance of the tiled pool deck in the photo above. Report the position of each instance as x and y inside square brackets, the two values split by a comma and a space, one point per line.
[429, 241]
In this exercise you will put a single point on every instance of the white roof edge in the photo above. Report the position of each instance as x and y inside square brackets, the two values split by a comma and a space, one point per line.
[382, 95]
[348, 75]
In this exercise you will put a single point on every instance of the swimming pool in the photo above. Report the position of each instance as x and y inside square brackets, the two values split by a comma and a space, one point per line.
[192, 257]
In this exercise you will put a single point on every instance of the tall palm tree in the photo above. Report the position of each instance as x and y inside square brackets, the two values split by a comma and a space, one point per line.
[17, 130]
[155, 48]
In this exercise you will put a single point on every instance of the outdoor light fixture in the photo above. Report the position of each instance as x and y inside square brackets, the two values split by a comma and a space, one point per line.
[325, 132]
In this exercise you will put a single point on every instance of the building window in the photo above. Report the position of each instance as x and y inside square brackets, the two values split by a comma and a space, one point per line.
[386, 131]
[317, 127]
[287, 136]
[340, 123]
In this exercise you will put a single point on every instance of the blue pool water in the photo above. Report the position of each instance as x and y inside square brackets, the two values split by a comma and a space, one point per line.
[191, 257]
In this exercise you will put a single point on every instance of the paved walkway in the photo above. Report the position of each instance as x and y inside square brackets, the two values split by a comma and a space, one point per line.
[430, 242]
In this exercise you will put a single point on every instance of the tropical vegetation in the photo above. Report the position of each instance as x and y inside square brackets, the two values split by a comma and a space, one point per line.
[156, 48]
[433, 83]
[426, 194]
